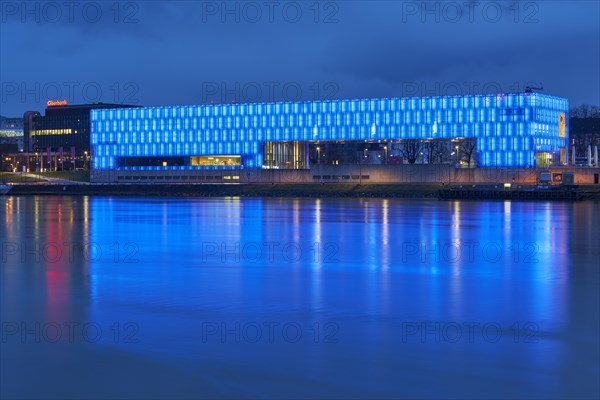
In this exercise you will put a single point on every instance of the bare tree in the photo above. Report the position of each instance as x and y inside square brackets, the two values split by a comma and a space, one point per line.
[584, 111]
[411, 148]
[467, 148]
[436, 150]
[440, 151]
[584, 128]
[429, 150]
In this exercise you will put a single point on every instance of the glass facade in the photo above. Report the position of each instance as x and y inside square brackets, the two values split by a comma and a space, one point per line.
[510, 129]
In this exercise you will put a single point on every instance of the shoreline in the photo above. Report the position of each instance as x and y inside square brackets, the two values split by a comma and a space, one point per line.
[227, 190]
[407, 191]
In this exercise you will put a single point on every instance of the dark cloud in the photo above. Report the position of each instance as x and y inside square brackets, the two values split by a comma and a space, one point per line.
[157, 52]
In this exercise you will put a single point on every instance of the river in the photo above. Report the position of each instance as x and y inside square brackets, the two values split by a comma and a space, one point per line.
[298, 298]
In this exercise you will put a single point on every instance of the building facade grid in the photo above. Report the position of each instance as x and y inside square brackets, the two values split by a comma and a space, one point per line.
[510, 129]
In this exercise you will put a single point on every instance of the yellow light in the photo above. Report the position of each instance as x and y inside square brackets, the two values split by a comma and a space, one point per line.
[54, 103]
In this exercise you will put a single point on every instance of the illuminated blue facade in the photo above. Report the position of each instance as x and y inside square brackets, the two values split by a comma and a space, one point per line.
[510, 129]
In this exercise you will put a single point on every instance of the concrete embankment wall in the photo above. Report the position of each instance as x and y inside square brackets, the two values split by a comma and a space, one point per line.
[223, 190]
[354, 174]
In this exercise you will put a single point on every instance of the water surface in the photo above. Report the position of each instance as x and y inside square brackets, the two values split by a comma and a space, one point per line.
[303, 298]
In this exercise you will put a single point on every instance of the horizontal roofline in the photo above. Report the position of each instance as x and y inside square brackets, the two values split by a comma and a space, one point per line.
[343, 100]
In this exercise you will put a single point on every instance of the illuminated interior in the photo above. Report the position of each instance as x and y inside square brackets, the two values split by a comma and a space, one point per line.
[544, 159]
[214, 160]
[285, 155]
[51, 132]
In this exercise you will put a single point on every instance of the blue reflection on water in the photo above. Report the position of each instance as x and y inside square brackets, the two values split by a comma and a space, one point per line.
[392, 298]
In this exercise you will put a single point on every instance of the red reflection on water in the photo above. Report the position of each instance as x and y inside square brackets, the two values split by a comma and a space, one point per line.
[55, 262]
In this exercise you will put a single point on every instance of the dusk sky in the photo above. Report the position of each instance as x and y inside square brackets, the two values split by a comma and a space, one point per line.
[196, 52]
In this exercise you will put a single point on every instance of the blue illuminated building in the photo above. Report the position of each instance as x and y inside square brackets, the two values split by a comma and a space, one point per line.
[510, 130]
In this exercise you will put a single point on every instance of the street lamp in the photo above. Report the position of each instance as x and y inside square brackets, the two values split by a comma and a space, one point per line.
[457, 160]
[385, 154]
[360, 162]
[318, 155]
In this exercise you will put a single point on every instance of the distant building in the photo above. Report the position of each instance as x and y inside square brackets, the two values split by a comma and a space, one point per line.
[11, 126]
[62, 135]
[11, 132]
[63, 126]
[6, 152]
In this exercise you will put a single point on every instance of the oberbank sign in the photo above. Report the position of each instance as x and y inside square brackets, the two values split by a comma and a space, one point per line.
[55, 103]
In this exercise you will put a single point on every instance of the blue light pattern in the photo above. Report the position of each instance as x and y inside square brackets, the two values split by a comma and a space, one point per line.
[510, 128]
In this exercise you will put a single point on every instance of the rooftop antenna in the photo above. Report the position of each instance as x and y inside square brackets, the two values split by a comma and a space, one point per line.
[530, 89]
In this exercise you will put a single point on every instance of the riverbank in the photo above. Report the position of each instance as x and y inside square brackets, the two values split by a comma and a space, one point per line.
[51, 176]
[248, 190]
[520, 192]
[423, 191]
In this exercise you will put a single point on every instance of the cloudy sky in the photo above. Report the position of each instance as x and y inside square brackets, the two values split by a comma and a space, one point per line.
[196, 52]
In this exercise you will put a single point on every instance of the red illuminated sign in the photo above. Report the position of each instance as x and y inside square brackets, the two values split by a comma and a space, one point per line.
[54, 103]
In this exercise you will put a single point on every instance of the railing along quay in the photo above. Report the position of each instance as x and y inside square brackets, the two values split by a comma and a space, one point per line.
[535, 193]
